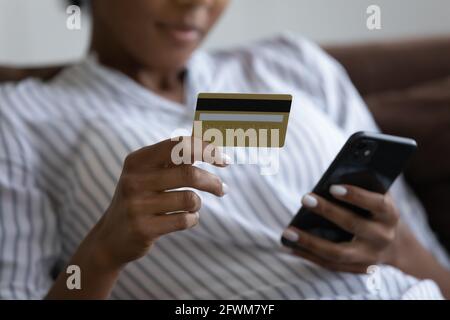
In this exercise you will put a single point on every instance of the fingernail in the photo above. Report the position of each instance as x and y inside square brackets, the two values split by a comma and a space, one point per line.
[225, 188]
[290, 235]
[338, 190]
[309, 201]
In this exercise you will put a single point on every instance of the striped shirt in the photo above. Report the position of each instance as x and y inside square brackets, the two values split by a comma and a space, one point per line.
[63, 143]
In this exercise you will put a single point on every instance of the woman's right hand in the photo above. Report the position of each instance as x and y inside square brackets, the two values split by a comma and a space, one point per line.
[137, 215]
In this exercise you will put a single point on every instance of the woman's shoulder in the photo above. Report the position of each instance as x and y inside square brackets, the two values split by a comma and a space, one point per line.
[34, 108]
[282, 48]
[18, 103]
[34, 98]
[286, 54]
[14, 95]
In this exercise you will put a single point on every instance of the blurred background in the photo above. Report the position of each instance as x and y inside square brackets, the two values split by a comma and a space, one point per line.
[33, 32]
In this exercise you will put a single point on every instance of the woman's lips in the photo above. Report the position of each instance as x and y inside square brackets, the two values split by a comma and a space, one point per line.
[181, 33]
[185, 35]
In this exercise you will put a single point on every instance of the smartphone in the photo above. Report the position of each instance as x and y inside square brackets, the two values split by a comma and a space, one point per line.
[371, 161]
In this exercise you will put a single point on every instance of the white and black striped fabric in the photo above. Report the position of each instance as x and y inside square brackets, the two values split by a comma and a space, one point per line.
[63, 142]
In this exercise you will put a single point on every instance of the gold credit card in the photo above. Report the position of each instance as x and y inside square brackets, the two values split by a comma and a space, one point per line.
[242, 120]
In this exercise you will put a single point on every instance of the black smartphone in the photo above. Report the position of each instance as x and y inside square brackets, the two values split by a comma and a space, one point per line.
[368, 160]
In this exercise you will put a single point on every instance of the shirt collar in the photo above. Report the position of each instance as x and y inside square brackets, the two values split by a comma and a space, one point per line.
[128, 89]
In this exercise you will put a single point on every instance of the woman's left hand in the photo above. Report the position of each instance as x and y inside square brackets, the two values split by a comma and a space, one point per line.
[374, 239]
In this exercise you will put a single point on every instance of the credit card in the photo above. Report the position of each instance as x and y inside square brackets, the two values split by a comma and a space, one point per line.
[242, 120]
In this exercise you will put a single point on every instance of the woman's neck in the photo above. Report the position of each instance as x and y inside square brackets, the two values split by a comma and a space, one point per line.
[168, 83]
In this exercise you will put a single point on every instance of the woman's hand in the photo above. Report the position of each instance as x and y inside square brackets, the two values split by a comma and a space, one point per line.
[138, 213]
[375, 239]
[137, 216]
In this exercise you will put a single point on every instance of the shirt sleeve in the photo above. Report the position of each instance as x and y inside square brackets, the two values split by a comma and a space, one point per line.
[29, 242]
[304, 65]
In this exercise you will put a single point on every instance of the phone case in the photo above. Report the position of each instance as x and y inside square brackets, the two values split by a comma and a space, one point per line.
[368, 160]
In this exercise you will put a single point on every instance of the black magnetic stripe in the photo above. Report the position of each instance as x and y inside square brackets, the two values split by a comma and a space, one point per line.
[243, 105]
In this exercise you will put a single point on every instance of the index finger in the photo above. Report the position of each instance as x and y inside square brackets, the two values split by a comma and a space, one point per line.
[179, 150]
[380, 205]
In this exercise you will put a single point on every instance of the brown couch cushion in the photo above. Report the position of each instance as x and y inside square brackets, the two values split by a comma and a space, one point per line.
[423, 113]
[394, 65]
[17, 74]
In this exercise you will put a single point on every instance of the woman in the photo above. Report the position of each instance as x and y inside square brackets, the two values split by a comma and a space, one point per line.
[85, 176]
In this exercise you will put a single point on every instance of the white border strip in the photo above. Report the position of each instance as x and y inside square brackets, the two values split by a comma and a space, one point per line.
[241, 117]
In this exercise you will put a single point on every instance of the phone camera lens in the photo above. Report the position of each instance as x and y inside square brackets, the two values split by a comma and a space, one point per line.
[361, 146]
[363, 151]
